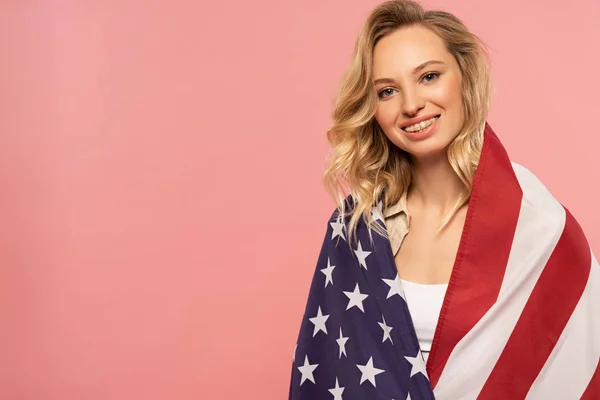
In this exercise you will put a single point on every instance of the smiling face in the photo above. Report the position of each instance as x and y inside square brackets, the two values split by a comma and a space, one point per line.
[416, 80]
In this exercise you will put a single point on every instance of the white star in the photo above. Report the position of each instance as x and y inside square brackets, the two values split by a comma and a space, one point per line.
[376, 212]
[418, 365]
[386, 330]
[395, 287]
[356, 298]
[342, 343]
[337, 391]
[338, 228]
[319, 322]
[328, 271]
[369, 372]
[362, 255]
[307, 371]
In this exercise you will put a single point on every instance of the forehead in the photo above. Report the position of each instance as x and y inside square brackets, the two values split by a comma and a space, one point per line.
[406, 48]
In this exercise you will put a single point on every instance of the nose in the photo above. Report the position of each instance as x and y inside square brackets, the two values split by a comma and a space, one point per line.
[412, 102]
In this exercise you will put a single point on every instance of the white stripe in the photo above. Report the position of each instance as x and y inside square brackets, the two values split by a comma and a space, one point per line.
[539, 227]
[573, 360]
[547, 213]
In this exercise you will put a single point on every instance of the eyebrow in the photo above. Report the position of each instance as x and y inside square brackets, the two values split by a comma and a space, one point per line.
[417, 69]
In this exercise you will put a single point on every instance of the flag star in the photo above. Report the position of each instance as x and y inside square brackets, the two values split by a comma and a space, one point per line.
[328, 271]
[356, 299]
[338, 228]
[369, 372]
[337, 391]
[376, 212]
[395, 287]
[417, 365]
[386, 330]
[362, 255]
[319, 322]
[307, 371]
[342, 343]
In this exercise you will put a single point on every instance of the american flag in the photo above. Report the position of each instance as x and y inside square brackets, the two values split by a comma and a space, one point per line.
[520, 319]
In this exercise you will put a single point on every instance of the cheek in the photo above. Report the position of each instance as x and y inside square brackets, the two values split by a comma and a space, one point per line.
[457, 94]
[386, 114]
[448, 95]
[451, 97]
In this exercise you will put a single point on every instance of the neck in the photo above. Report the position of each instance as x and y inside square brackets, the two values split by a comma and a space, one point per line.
[435, 186]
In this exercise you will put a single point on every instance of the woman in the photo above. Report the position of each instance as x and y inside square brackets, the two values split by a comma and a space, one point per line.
[448, 270]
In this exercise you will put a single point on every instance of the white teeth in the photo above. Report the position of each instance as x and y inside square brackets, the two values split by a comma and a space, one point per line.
[421, 125]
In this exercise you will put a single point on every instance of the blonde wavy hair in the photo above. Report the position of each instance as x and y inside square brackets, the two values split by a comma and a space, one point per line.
[362, 160]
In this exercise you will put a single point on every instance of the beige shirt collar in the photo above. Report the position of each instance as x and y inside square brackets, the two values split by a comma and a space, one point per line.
[399, 207]
[397, 221]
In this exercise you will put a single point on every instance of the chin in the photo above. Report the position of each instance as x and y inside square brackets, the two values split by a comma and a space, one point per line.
[433, 147]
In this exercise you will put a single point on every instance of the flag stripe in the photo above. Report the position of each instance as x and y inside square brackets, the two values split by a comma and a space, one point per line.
[544, 317]
[535, 238]
[486, 241]
[592, 392]
[559, 379]
[537, 231]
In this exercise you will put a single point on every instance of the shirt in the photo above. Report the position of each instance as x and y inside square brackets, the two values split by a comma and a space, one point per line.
[424, 301]
[424, 304]
[397, 222]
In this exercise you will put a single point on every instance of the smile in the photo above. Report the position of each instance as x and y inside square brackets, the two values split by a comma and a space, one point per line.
[421, 125]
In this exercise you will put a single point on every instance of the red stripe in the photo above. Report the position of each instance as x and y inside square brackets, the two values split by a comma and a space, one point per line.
[483, 252]
[544, 316]
[593, 390]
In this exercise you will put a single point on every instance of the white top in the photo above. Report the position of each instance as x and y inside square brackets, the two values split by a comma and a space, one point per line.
[424, 303]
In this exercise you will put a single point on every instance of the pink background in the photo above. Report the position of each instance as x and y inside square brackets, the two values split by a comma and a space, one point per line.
[160, 163]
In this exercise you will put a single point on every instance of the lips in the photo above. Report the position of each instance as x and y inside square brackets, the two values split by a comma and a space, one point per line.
[416, 120]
